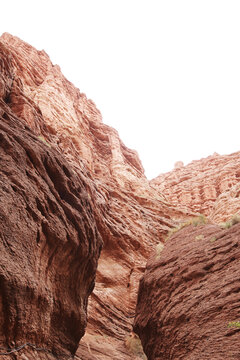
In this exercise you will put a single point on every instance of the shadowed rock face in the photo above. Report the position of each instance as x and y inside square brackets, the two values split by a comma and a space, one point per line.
[49, 242]
[189, 294]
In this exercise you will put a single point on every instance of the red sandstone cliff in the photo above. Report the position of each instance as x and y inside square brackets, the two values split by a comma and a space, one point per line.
[50, 242]
[89, 187]
[208, 186]
[131, 217]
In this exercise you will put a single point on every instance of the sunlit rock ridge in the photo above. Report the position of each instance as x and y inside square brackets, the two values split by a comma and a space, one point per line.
[71, 191]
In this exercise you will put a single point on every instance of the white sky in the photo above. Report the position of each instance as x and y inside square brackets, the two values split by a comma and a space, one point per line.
[164, 73]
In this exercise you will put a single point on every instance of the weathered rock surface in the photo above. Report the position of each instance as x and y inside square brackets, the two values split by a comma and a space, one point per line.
[49, 239]
[226, 205]
[199, 184]
[189, 294]
[49, 242]
[130, 215]
[89, 186]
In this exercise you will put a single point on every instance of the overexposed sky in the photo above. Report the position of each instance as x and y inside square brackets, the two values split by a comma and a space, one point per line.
[164, 73]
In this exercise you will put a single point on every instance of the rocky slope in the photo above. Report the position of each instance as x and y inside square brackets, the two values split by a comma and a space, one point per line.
[189, 298]
[77, 186]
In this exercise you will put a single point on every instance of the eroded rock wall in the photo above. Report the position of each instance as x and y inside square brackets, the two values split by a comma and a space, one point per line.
[189, 293]
[50, 243]
[189, 296]
[89, 187]
[204, 185]
[130, 215]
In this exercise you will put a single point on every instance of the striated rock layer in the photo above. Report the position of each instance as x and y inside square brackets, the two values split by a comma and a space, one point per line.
[199, 184]
[189, 298]
[130, 215]
[50, 243]
[67, 183]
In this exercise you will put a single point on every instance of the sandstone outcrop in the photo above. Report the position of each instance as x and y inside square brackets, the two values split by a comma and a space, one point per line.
[131, 217]
[50, 243]
[199, 184]
[188, 301]
[69, 185]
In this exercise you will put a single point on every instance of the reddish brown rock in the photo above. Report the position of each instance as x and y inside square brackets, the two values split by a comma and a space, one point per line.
[189, 295]
[198, 185]
[226, 205]
[49, 242]
[131, 216]
[129, 213]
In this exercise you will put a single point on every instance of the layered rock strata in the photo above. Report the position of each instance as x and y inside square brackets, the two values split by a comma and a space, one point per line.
[189, 297]
[131, 217]
[50, 243]
[199, 184]
[90, 187]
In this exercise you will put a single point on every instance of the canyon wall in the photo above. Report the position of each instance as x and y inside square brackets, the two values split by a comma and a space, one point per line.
[208, 186]
[69, 188]
[189, 297]
[131, 217]
[50, 242]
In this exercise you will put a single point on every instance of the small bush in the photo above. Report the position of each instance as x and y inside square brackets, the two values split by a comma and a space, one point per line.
[213, 239]
[195, 221]
[233, 221]
[226, 225]
[199, 220]
[234, 324]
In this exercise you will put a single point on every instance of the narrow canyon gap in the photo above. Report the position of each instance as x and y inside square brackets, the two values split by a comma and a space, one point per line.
[71, 191]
